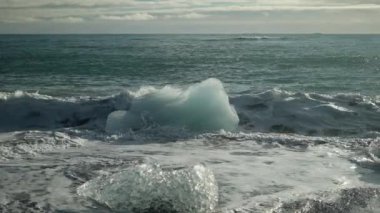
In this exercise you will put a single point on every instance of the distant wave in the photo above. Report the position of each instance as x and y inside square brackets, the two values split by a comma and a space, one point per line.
[258, 38]
[204, 107]
[248, 38]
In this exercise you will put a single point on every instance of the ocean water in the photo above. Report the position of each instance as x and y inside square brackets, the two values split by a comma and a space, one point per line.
[190, 123]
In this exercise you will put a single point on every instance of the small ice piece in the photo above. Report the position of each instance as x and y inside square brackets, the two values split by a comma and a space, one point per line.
[148, 188]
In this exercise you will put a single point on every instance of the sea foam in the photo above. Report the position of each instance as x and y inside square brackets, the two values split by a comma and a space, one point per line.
[201, 107]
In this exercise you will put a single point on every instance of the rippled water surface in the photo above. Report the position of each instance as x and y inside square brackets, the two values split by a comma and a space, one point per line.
[189, 123]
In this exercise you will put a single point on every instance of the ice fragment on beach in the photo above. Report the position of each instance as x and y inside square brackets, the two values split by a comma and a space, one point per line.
[148, 188]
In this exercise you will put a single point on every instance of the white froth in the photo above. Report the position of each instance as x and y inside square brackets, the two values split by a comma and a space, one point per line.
[18, 145]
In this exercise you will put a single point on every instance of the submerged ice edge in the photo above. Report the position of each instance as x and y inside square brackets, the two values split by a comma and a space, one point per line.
[203, 107]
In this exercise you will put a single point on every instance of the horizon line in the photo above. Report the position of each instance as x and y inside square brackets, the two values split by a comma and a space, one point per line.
[188, 33]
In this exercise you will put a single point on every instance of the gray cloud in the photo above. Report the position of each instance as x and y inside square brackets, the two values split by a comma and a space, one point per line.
[171, 12]
[65, 19]
[168, 4]
[131, 17]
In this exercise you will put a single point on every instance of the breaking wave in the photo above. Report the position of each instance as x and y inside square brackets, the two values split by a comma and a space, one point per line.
[202, 107]
[309, 114]
[25, 111]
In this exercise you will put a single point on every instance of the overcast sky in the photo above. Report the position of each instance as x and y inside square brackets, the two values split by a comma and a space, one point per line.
[190, 16]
